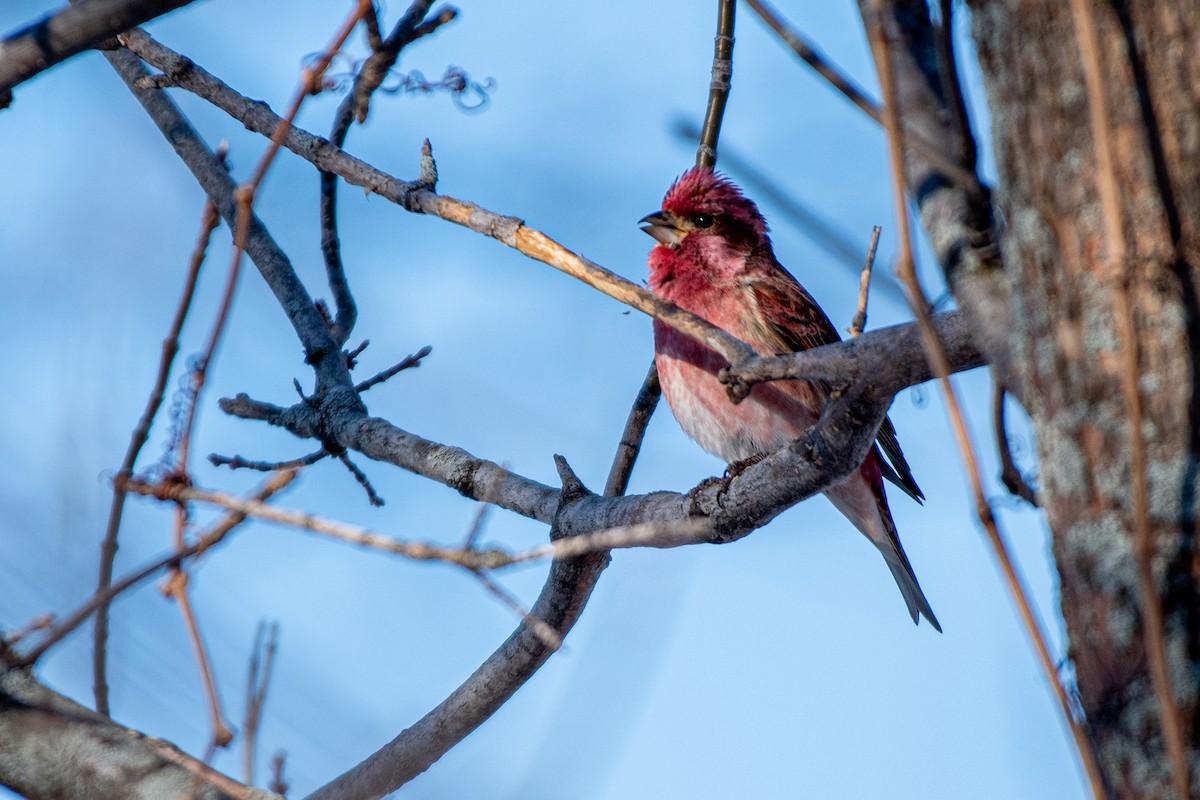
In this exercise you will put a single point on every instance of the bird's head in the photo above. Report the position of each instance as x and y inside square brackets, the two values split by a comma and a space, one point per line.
[705, 204]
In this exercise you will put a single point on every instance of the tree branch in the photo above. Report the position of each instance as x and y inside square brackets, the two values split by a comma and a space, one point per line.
[51, 746]
[959, 221]
[722, 82]
[874, 354]
[418, 196]
[65, 33]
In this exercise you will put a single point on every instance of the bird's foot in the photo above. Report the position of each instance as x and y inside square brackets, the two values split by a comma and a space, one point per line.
[738, 467]
[700, 488]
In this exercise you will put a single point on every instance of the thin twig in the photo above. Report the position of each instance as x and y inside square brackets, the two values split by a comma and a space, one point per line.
[719, 86]
[1118, 279]
[660, 534]
[258, 680]
[203, 543]
[108, 548]
[878, 34]
[835, 77]
[1010, 475]
[39, 623]
[372, 496]
[544, 631]
[176, 589]
[476, 529]
[864, 286]
[635, 430]
[237, 462]
[278, 783]
[352, 534]
[409, 362]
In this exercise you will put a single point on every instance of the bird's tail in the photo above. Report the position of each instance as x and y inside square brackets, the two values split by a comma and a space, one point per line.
[906, 579]
[862, 500]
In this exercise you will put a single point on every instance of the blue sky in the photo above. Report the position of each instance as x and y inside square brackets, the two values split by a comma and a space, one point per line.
[780, 666]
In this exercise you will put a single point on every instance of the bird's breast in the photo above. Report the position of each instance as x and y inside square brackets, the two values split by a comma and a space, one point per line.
[772, 415]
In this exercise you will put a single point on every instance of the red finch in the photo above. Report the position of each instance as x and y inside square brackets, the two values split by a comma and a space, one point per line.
[714, 259]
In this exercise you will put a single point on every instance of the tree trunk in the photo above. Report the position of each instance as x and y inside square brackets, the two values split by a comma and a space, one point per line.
[1067, 345]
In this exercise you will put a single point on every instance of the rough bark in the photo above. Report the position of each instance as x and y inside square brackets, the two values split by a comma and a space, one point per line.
[51, 746]
[1066, 346]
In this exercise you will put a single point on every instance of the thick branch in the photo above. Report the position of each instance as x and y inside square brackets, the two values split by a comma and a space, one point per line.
[51, 746]
[889, 355]
[68, 32]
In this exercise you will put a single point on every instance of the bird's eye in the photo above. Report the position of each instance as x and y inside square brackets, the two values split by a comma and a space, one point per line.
[704, 220]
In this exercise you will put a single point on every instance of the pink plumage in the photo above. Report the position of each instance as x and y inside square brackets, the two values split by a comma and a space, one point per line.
[714, 258]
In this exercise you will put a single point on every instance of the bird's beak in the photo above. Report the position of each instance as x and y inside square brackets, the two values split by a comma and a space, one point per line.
[661, 225]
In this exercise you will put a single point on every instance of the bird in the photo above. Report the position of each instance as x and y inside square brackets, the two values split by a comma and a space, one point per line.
[714, 258]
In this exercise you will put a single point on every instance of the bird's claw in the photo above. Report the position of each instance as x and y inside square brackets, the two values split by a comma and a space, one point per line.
[738, 467]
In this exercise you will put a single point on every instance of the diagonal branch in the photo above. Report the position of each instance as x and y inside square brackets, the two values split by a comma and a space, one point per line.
[58, 36]
[418, 196]
[321, 351]
[113, 761]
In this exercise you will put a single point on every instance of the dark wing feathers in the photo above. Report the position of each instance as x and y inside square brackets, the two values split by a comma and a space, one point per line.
[798, 323]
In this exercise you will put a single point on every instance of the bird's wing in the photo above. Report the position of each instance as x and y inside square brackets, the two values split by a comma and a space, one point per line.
[795, 322]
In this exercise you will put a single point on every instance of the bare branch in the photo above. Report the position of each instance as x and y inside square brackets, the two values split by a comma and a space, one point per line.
[376, 438]
[1010, 476]
[134, 765]
[68, 32]
[409, 362]
[635, 430]
[722, 82]
[176, 588]
[237, 462]
[864, 286]
[258, 680]
[891, 356]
